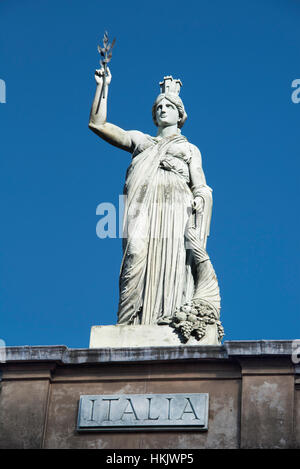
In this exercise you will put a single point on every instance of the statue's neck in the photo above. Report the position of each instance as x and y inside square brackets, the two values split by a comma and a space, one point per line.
[168, 131]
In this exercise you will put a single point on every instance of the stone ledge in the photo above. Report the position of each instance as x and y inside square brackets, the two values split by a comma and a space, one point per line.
[230, 349]
[65, 355]
[258, 347]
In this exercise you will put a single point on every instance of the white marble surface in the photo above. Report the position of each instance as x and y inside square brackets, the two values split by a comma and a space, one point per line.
[144, 336]
[167, 216]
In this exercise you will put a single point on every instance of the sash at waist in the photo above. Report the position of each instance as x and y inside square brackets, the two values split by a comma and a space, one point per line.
[167, 166]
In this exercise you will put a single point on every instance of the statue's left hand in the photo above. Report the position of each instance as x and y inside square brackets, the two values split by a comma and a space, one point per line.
[198, 204]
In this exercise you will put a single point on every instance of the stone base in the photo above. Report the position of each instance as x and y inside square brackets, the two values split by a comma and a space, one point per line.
[253, 387]
[145, 336]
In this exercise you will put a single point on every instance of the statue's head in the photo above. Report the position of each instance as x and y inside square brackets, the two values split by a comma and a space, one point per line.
[169, 94]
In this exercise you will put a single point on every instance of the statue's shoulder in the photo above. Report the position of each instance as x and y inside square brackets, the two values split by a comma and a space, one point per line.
[193, 150]
[137, 137]
[140, 141]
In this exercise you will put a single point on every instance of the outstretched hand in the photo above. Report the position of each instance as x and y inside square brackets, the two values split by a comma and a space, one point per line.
[99, 74]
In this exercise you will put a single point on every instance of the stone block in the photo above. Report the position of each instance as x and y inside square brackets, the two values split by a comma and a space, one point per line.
[119, 336]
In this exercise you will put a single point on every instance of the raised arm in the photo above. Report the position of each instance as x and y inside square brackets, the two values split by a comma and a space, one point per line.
[126, 140]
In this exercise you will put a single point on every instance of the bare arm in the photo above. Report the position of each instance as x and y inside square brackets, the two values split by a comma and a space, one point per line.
[196, 171]
[198, 181]
[126, 140]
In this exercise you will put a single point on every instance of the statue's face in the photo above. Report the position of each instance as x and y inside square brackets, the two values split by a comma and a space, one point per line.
[166, 113]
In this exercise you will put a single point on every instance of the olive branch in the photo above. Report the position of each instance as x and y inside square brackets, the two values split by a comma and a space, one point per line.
[106, 54]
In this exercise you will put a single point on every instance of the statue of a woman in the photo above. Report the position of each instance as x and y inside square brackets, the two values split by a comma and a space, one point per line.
[166, 275]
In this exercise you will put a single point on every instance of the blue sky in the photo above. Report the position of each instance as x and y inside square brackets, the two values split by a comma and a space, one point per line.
[237, 60]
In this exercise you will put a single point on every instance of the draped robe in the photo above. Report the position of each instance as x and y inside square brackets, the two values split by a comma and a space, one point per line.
[158, 271]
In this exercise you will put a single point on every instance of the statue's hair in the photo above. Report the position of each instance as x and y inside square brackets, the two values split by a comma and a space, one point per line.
[174, 99]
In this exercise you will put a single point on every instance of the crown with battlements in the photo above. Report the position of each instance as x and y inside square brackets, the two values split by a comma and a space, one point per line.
[170, 86]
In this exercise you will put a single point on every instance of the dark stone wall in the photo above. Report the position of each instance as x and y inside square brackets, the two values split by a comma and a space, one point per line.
[254, 394]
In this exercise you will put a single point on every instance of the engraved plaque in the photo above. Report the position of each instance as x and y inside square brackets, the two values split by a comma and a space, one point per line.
[143, 411]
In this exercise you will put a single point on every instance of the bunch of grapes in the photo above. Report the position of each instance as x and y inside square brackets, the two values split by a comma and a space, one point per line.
[192, 319]
[200, 330]
[186, 329]
[220, 330]
[210, 319]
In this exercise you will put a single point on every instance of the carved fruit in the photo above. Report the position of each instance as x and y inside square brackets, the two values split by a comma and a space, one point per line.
[186, 309]
[192, 318]
[181, 316]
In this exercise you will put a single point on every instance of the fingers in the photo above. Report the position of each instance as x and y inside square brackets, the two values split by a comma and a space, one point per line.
[99, 72]
[198, 205]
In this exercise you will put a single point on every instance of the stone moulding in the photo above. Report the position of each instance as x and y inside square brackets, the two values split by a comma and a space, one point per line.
[63, 354]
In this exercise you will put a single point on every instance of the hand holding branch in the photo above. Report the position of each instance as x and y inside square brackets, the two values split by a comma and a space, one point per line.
[99, 76]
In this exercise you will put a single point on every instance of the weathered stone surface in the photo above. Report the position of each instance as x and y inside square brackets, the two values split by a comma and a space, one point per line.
[258, 347]
[297, 415]
[23, 404]
[154, 378]
[63, 354]
[126, 412]
[145, 336]
[253, 392]
[267, 411]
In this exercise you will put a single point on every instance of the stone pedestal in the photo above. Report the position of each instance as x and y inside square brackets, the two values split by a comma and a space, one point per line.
[145, 336]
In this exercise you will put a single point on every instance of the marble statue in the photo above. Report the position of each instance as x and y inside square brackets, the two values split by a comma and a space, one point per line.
[166, 275]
